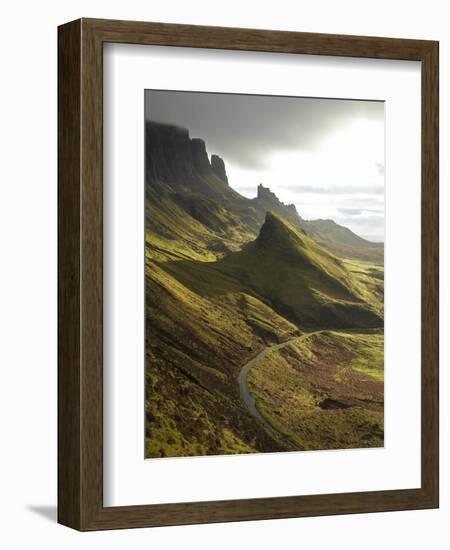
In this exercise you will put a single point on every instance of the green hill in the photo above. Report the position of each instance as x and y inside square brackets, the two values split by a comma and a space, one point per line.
[343, 242]
[338, 239]
[226, 277]
[302, 280]
[205, 319]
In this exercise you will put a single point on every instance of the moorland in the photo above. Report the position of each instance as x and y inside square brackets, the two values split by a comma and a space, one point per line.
[264, 331]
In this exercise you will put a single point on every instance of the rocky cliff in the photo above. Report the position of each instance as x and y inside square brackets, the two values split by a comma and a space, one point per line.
[218, 167]
[268, 201]
[172, 156]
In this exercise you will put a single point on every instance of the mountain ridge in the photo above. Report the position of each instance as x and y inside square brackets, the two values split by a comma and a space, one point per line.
[183, 165]
[298, 275]
[226, 276]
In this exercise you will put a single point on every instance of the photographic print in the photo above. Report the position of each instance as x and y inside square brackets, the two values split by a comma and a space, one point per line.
[264, 273]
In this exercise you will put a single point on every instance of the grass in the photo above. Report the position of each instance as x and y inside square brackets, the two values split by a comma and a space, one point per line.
[326, 392]
[302, 280]
[196, 345]
[215, 295]
[368, 353]
[370, 280]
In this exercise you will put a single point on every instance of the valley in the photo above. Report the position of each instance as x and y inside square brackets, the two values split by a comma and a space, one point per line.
[230, 280]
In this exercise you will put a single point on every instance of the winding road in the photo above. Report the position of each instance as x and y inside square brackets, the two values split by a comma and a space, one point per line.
[250, 402]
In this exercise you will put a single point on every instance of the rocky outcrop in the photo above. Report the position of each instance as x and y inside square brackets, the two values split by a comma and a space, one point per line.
[218, 167]
[172, 156]
[200, 156]
[268, 201]
[168, 153]
[264, 193]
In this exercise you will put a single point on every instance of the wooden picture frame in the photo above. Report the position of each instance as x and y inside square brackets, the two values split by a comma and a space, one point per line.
[80, 270]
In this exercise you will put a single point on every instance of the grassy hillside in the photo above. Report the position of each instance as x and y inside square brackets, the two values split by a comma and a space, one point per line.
[339, 240]
[225, 279]
[325, 392]
[343, 242]
[205, 319]
[302, 280]
[196, 344]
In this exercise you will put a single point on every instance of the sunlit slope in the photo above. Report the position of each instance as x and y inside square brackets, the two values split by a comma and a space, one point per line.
[225, 280]
[183, 225]
[325, 391]
[302, 280]
[209, 313]
[338, 239]
[197, 339]
[191, 211]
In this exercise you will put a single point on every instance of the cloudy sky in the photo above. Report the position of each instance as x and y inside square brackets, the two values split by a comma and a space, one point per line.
[324, 155]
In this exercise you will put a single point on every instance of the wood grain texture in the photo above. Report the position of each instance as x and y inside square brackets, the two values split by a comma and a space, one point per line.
[69, 244]
[430, 272]
[80, 397]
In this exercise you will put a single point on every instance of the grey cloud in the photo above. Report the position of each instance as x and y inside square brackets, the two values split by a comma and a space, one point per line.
[377, 221]
[351, 211]
[244, 128]
[358, 211]
[336, 190]
[367, 225]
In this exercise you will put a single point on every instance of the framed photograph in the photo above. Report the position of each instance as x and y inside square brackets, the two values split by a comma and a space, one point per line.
[248, 274]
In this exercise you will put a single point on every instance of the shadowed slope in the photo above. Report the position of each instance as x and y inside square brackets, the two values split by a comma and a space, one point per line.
[224, 279]
[291, 273]
[302, 280]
